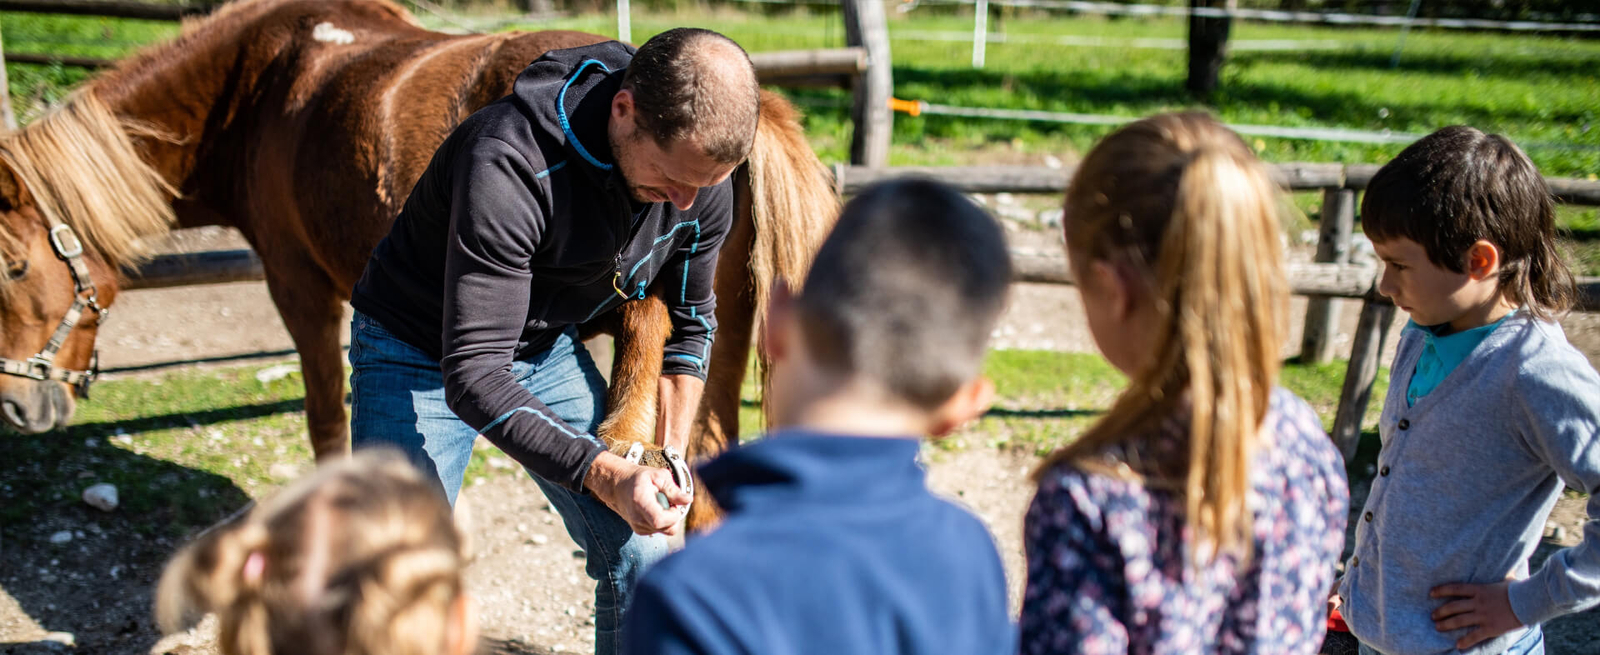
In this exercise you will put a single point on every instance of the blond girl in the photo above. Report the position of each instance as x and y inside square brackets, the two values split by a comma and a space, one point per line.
[359, 558]
[1205, 511]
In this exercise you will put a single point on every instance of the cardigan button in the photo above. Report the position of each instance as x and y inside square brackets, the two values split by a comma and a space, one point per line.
[1405, 424]
[1355, 561]
[1368, 517]
[1384, 471]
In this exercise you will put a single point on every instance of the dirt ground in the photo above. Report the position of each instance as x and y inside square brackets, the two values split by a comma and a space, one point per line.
[527, 574]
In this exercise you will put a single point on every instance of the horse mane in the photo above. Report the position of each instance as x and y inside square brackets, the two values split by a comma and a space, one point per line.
[80, 166]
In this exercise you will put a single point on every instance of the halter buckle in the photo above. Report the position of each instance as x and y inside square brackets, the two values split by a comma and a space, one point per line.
[60, 246]
[38, 368]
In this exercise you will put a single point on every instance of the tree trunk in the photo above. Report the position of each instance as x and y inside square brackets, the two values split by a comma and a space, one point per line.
[1208, 39]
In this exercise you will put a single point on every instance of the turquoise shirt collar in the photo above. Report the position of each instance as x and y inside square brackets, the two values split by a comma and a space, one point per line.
[1442, 354]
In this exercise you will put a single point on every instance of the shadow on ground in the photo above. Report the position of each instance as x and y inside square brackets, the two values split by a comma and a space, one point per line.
[72, 568]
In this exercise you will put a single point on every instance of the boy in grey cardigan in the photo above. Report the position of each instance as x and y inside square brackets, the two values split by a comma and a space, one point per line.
[1489, 411]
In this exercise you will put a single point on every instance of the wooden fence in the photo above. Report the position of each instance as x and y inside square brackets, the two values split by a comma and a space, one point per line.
[1332, 276]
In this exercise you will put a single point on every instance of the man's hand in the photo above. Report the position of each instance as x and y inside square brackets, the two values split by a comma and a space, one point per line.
[680, 401]
[630, 491]
[1486, 607]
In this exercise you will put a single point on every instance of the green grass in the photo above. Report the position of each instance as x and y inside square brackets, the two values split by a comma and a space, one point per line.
[1541, 91]
[1046, 398]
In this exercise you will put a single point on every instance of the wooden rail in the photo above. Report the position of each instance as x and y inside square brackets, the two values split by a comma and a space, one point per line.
[1044, 180]
[111, 8]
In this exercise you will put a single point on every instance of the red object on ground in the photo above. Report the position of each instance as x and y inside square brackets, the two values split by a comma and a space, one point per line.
[1336, 622]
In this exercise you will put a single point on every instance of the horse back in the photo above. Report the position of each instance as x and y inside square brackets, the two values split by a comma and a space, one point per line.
[350, 113]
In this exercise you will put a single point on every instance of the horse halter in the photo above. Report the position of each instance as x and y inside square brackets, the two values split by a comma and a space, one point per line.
[42, 366]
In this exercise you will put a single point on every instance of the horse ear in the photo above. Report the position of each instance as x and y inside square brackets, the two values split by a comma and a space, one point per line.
[13, 193]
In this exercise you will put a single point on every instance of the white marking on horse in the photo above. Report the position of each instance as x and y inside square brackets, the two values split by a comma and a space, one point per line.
[327, 33]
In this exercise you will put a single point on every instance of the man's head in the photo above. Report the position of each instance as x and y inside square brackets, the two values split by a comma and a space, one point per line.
[898, 307]
[686, 115]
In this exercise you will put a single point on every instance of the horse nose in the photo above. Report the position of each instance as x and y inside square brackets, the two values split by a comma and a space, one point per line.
[35, 413]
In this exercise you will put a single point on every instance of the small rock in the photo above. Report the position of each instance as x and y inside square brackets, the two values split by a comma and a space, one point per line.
[1004, 198]
[1308, 237]
[61, 537]
[284, 471]
[102, 497]
[1052, 161]
[1559, 534]
[569, 611]
[1051, 217]
[499, 463]
[275, 373]
[122, 438]
[539, 540]
[63, 638]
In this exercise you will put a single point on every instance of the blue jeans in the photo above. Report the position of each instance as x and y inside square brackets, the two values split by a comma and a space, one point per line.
[397, 400]
[1531, 643]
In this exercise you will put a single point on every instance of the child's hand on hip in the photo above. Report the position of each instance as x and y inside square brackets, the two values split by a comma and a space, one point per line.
[1486, 607]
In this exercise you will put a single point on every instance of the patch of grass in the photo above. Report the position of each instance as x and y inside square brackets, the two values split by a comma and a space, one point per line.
[1539, 90]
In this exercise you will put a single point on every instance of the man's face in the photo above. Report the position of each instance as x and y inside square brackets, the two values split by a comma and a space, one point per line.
[675, 174]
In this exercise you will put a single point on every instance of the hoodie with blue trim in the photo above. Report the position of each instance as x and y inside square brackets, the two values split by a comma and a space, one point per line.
[522, 226]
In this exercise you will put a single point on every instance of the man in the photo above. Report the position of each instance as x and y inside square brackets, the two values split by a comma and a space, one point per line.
[603, 170]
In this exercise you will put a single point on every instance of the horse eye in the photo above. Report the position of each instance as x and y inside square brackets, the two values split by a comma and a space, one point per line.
[17, 270]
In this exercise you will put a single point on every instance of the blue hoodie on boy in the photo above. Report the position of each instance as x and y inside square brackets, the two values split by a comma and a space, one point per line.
[831, 545]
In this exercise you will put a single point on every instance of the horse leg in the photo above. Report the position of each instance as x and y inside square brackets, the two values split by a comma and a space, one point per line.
[312, 312]
[716, 428]
[641, 335]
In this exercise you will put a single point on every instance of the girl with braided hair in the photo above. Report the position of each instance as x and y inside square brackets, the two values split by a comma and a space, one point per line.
[361, 557]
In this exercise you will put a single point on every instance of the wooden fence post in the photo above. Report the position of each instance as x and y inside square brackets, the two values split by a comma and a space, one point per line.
[1333, 247]
[865, 26]
[6, 115]
[1372, 331]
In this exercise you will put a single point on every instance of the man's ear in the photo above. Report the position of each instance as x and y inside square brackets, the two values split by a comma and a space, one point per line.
[1483, 260]
[13, 193]
[622, 106]
[967, 404]
[780, 310]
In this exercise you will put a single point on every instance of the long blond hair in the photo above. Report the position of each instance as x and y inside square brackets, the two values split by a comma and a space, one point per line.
[360, 558]
[1183, 201]
[79, 165]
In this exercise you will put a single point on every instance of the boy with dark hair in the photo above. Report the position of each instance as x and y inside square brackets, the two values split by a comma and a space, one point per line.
[832, 542]
[1489, 410]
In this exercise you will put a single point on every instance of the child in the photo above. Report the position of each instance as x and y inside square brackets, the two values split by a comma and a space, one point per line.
[833, 543]
[1489, 410]
[1205, 511]
[359, 558]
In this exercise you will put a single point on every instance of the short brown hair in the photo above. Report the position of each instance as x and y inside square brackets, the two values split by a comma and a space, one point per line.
[1458, 185]
[906, 289]
[696, 84]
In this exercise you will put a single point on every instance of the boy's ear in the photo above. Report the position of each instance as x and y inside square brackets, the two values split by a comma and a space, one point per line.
[1483, 260]
[780, 310]
[969, 402]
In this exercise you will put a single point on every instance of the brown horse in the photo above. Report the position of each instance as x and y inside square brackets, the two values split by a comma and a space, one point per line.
[304, 124]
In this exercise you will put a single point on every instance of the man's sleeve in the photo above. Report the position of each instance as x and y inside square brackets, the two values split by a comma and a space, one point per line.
[691, 277]
[1562, 406]
[495, 225]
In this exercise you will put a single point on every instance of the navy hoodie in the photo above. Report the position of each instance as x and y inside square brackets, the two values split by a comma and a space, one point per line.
[522, 226]
[831, 545]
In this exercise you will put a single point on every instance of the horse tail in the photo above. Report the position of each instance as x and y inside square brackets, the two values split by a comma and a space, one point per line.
[793, 204]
